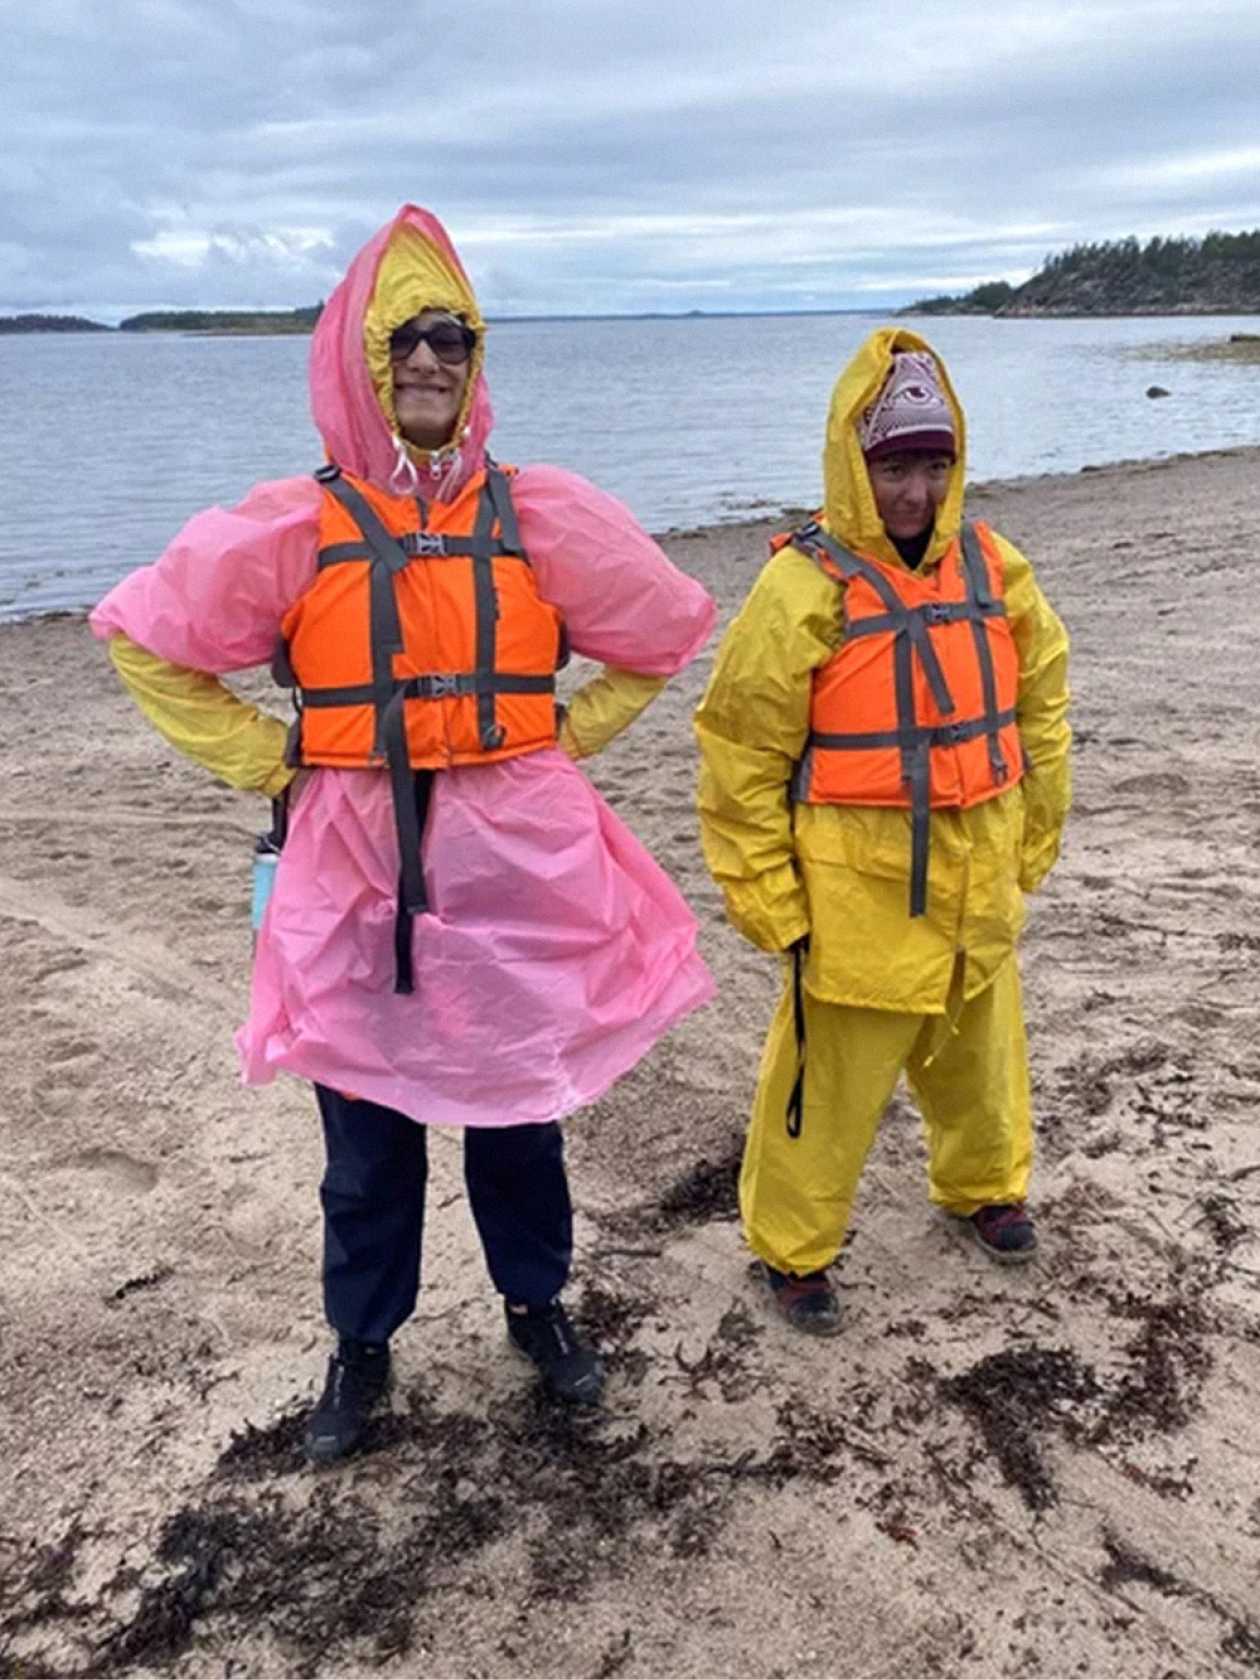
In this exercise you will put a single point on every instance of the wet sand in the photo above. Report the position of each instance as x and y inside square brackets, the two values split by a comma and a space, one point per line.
[1039, 1472]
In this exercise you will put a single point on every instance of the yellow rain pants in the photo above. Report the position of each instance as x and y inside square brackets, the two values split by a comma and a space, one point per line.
[968, 1072]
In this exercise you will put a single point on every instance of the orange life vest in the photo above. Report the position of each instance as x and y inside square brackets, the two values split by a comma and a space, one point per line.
[916, 708]
[422, 643]
[430, 626]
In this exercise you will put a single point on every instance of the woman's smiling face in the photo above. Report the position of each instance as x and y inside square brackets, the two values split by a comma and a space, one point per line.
[428, 389]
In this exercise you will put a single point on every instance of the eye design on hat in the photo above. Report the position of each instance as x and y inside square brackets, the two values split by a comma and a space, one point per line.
[923, 395]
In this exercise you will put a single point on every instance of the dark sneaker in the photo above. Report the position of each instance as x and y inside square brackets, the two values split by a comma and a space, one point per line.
[570, 1370]
[809, 1303]
[357, 1382]
[1005, 1232]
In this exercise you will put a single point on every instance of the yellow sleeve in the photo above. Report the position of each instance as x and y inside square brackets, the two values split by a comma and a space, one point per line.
[752, 725]
[1041, 709]
[198, 715]
[603, 707]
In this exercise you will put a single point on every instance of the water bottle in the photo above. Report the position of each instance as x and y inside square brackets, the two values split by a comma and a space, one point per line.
[266, 858]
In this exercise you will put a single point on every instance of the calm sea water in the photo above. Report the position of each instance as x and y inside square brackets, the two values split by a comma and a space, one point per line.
[111, 441]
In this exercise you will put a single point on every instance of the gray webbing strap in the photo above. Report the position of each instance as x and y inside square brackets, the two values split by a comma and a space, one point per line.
[915, 767]
[404, 920]
[920, 767]
[798, 787]
[504, 682]
[434, 685]
[976, 574]
[383, 544]
[974, 567]
[487, 613]
[333, 554]
[412, 896]
[903, 621]
[422, 545]
[501, 496]
[282, 672]
[938, 612]
[385, 627]
[293, 742]
[935, 735]
[352, 694]
[931, 664]
[815, 542]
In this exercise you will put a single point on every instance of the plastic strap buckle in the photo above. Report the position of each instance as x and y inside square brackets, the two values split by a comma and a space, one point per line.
[427, 544]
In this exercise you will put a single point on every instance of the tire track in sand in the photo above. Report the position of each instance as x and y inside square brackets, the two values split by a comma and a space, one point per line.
[144, 956]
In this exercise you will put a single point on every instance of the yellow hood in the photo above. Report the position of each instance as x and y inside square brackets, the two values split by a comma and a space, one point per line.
[416, 274]
[849, 510]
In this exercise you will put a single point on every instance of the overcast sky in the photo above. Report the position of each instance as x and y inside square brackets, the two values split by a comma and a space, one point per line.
[593, 156]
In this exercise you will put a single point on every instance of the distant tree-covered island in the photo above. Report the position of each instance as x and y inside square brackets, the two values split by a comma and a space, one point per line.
[245, 322]
[49, 323]
[1216, 275]
[232, 321]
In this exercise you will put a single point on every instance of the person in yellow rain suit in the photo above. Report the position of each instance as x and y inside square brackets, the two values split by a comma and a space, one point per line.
[884, 745]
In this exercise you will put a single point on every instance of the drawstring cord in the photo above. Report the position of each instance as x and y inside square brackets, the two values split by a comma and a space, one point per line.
[404, 480]
[945, 1026]
[796, 1101]
[445, 466]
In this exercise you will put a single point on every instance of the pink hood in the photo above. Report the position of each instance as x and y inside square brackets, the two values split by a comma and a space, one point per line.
[355, 431]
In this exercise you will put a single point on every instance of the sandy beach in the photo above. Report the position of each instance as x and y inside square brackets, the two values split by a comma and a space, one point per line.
[1053, 1471]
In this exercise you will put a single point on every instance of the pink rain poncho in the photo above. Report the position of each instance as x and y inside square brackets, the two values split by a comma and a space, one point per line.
[555, 951]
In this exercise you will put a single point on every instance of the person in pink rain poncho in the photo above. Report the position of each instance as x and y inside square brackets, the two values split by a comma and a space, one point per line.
[461, 933]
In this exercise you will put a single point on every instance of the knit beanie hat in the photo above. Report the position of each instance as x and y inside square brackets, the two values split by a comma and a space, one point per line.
[910, 412]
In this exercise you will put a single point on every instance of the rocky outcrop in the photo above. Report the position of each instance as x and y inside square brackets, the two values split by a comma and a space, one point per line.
[1216, 275]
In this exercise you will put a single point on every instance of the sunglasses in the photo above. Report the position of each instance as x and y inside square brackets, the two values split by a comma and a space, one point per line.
[450, 341]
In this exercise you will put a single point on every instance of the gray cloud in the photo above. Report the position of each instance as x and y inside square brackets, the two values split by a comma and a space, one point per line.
[589, 155]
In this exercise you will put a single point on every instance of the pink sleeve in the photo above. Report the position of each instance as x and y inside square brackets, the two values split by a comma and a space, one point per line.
[624, 602]
[214, 599]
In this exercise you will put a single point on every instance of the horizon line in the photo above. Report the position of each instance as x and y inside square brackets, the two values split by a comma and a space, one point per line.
[491, 320]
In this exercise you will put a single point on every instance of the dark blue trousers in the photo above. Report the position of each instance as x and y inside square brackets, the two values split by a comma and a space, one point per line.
[373, 1199]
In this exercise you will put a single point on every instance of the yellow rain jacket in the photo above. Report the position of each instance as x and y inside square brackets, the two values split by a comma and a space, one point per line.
[840, 873]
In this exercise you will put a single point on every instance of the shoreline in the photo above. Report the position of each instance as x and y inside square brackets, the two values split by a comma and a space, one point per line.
[1080, 314]
[1130, 467]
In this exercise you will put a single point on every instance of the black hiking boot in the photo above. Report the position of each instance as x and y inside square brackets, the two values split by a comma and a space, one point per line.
[570, 1370]
[808, 1302]
[357, 1382]
[1006, 1233]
